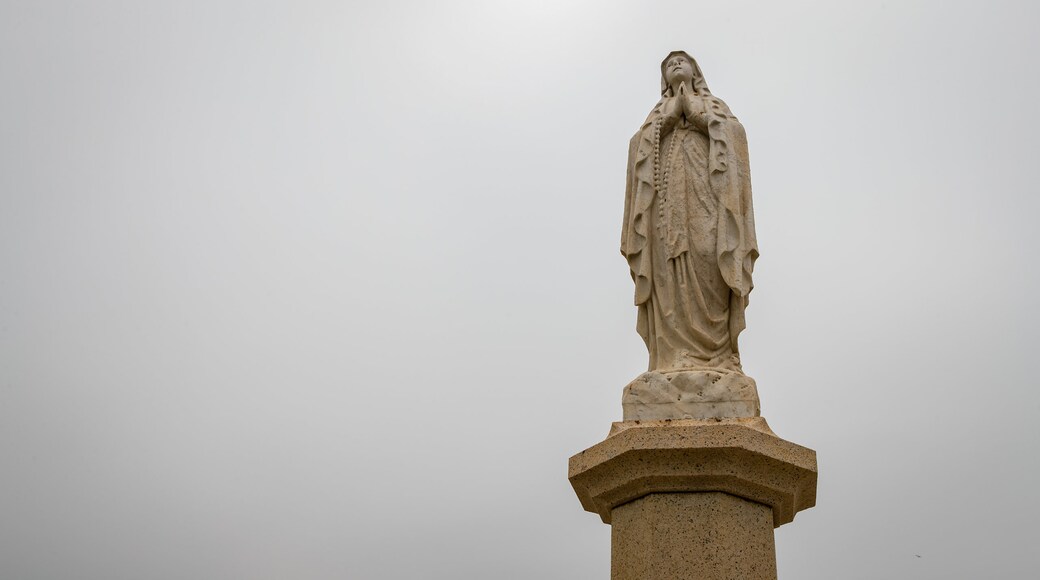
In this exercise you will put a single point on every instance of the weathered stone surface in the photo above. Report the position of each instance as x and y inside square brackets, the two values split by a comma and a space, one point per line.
[741, 457]
[688, 231]
[694, 394]
[692, 536]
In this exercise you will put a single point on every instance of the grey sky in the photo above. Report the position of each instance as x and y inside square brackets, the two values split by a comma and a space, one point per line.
[332, 290]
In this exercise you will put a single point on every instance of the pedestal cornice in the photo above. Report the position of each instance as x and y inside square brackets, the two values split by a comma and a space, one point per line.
[741, 457]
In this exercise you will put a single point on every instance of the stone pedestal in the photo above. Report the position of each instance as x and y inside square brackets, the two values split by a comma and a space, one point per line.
[690, 394]
[692, 535]
[694, 499]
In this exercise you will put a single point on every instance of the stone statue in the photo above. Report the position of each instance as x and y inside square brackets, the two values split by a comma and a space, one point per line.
[692, 481]
[689, 238]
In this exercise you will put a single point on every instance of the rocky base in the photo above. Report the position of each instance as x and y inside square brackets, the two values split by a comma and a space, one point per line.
[690, 394]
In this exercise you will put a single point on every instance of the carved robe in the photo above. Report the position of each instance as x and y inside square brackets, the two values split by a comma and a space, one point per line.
[690, 247]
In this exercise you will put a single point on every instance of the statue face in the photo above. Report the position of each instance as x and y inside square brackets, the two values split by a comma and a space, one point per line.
[678, 69]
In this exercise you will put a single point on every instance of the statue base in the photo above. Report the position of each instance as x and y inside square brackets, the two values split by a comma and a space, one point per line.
[691, 499]
[690, 394]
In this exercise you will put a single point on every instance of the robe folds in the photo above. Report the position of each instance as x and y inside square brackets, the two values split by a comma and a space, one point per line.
[691, 247]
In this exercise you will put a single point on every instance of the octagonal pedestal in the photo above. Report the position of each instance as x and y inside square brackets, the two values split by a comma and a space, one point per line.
[694, 498]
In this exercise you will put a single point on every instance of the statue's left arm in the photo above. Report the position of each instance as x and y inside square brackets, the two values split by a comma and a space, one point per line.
[730, 171]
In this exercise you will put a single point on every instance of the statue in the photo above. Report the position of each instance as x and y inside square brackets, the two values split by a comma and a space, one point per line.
[692, 481]
[689, 238]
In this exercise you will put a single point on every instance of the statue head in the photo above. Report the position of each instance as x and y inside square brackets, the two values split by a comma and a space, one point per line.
[679, 66]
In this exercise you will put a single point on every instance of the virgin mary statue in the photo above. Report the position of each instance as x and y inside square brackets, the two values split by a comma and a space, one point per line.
[689, 238]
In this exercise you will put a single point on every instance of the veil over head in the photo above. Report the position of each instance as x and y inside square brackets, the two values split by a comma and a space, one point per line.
[700, 86]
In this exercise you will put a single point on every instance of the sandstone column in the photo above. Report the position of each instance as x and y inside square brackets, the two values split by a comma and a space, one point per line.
[694, 499]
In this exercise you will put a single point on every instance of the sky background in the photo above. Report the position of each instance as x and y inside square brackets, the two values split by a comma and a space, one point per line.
[323, 290]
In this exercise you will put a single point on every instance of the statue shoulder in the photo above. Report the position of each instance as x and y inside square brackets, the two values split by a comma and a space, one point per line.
[718, 107]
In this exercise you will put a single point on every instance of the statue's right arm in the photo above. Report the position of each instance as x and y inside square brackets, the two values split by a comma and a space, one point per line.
[630, 175]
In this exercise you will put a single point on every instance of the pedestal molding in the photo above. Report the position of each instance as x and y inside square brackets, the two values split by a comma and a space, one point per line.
[740, 457]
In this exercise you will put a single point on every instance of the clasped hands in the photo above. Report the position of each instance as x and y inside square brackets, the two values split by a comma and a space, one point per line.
[686, 104]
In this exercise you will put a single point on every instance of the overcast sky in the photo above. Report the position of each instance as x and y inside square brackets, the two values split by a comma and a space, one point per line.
[321, 290]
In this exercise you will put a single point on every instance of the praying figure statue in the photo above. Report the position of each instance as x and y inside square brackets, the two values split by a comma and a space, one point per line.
[689, 238]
